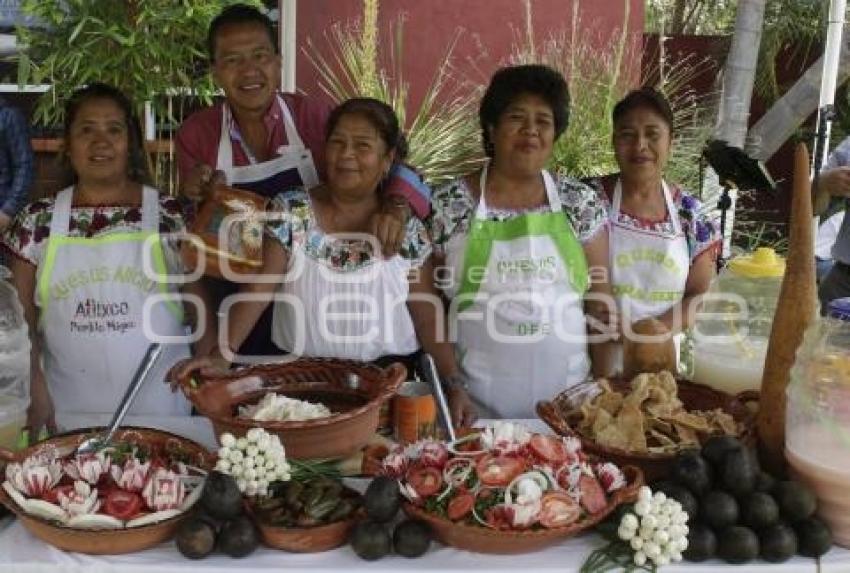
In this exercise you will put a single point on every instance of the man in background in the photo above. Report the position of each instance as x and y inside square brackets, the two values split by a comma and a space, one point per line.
[16, 163]
[832, 193]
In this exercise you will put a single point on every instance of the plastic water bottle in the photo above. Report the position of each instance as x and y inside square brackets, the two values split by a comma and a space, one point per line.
[14, 363]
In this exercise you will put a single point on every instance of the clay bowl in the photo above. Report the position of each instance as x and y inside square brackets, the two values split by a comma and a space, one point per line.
[563, 417]
[481, 539]
[347, 430]
[307, 539]
[112, 541]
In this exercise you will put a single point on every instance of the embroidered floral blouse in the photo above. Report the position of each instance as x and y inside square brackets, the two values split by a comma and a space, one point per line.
[700, 230]
[299, 229]
[453, 206]
[27, 235]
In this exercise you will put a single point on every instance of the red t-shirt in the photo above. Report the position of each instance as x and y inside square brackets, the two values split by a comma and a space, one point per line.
[197, 142]
[198, 136]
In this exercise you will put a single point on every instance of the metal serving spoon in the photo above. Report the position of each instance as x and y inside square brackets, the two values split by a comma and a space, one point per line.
[429, 372]
[98, 442]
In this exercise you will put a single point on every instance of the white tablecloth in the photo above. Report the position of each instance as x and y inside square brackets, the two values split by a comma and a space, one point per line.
[20, 552]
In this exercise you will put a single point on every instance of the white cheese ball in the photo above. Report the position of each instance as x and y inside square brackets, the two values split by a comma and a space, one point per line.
[227, 440]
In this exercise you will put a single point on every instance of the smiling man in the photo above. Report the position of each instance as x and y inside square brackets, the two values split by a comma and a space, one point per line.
[265, 141]
[258, 138]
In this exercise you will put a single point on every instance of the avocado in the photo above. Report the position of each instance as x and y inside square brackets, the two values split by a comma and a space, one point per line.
[795, 501]
[765, 482]
[737, 544]
[195, 538]
[411, 538]
[702, 543]
[221, 497]
[716, 447]
[382, 499]
[759, 510]
[688, 501]
[238, 537]
[691, 471]
[813, 537]
[778, 543]
[740, 470]
[370, 540]
[719, 510]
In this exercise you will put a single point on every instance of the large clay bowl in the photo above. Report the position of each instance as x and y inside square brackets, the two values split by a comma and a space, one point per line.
[481, 539]
[114, 541]
[561, 416]
[347, 430]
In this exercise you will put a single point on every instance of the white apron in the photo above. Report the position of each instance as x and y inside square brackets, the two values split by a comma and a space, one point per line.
[521, 334]
[648, 269]
[91, 294]
[358, 315]
[292, 168]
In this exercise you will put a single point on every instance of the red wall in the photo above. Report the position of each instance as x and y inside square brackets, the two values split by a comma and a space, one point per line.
[490, 27]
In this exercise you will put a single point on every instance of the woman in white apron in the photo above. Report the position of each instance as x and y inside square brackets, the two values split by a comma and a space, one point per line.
[80, 271]
[336, 296]
[657, 234]
[516, 245]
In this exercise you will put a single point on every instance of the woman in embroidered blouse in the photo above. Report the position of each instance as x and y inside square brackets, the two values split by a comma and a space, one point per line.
[78, 268]
[514, 246]
[337, 296]
[662, 249]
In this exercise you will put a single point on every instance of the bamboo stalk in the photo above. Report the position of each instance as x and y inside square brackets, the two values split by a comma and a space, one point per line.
[796, 308]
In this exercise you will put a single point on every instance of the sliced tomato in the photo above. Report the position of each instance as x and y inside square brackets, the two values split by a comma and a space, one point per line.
[425, 481]
[122, 504]
[592, 494]
[558, 509]
[498, 470]
[549, 449]
[460, 506]
[498, 517]
[52, 495]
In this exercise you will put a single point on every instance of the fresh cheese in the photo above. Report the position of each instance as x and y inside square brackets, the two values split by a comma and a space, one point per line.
[278, 408]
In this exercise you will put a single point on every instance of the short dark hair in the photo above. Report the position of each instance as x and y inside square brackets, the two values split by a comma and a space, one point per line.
[239, 14]
[380, 115]
[646, 97]
[507, 84]
[137, 165]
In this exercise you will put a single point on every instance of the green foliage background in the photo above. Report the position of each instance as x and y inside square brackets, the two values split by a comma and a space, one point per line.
[147, 48]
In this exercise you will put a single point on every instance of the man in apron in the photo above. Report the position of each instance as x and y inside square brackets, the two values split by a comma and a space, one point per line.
[264, 141]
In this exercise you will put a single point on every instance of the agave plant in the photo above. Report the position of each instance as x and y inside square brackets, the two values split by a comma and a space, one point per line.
[442, 132]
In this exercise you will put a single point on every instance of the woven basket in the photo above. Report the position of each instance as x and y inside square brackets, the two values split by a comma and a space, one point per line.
[562, 416]
[327, 381]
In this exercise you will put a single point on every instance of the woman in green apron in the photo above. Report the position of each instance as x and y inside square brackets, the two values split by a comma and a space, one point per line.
[80, 263]
[515, 247]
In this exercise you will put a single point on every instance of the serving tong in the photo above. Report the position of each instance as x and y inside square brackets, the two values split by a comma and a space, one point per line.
[100, 441]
